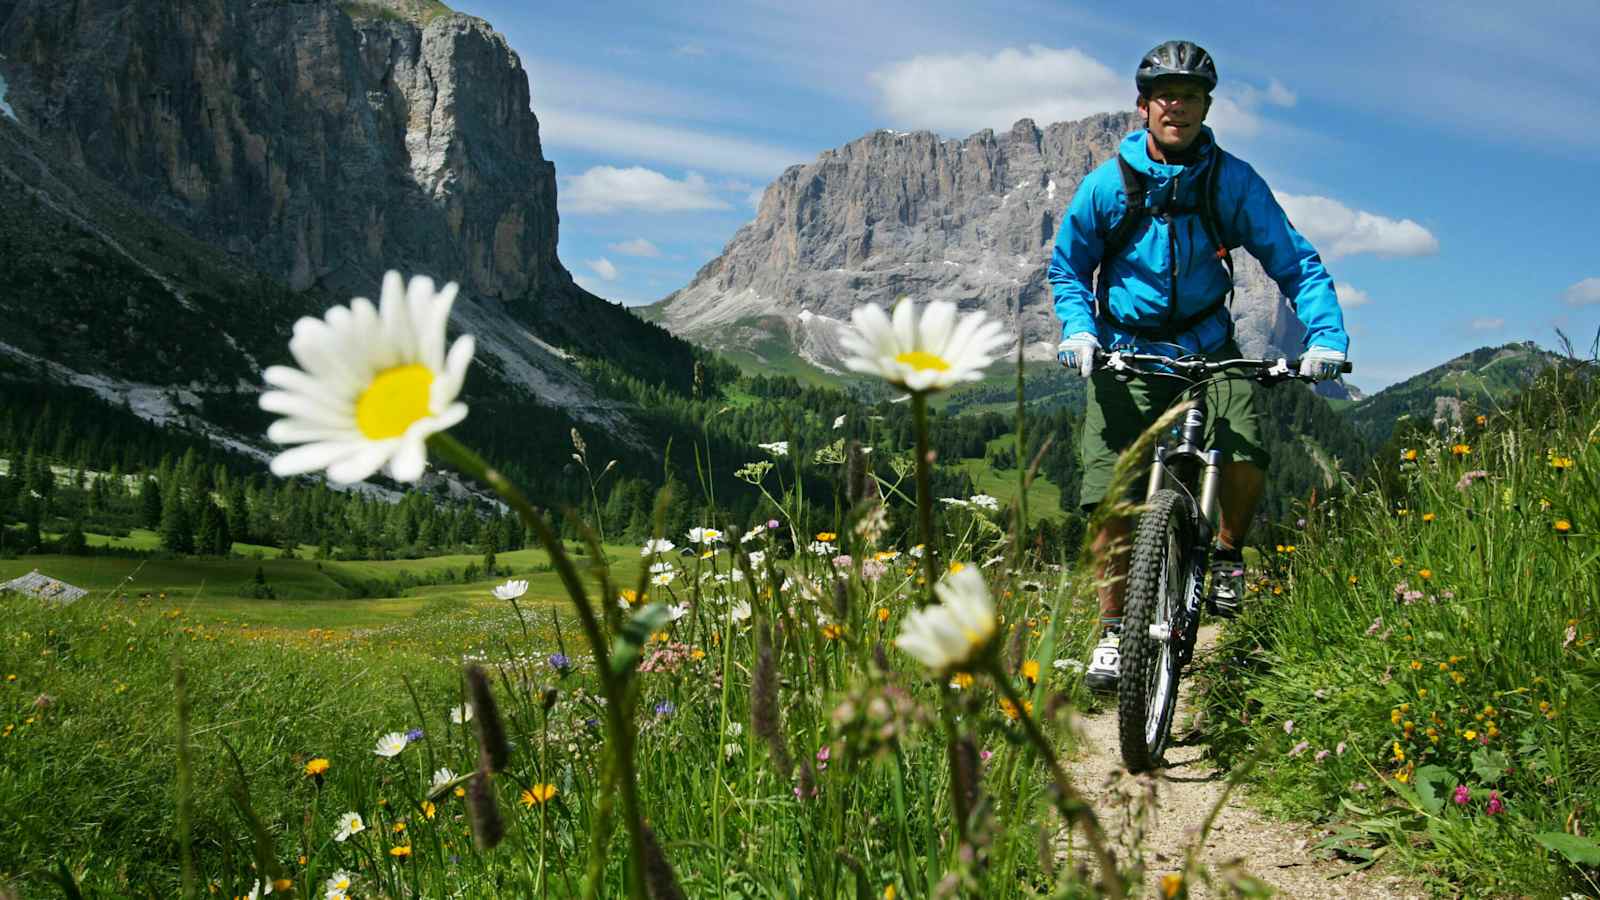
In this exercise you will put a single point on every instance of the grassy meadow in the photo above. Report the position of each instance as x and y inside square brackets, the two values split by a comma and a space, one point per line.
[731, 716]
[1422, 667]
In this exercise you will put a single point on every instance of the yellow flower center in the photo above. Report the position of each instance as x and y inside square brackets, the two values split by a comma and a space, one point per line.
[395, 399]
[922, 359]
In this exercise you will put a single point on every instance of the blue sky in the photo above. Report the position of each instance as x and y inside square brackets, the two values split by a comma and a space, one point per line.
[1443, 159]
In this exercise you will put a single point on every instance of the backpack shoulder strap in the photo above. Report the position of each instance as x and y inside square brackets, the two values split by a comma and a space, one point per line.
[1121, 234]
[1210, 193]
[1133, 188]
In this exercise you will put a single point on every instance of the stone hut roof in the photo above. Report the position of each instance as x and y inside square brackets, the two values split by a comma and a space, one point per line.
[41, 586]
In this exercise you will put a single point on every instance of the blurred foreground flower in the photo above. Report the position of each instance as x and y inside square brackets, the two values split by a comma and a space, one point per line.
[373, 384]
[956, 630]
[921, 354]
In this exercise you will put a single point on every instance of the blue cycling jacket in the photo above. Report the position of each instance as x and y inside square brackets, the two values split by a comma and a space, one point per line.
[1140, 278]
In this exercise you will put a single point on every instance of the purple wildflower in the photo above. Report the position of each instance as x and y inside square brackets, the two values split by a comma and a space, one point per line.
[1462, 795]
[1288, 727]
[1468, 478]
[1300, 748]
[1495, 807]
[1373, 628]
[1321, 755]
[560, 662]
[414, 734]
[665, 708]
[771, 524]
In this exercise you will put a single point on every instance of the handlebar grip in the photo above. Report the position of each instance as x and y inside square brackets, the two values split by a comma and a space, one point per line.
[1345, 367]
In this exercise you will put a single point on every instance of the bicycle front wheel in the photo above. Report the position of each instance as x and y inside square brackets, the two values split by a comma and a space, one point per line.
[1159, 578]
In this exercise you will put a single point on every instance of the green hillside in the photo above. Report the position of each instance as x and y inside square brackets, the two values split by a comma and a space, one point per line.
[1481, 381]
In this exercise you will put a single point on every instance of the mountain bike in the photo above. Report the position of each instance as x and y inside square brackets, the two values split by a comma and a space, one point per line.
[1172, 545]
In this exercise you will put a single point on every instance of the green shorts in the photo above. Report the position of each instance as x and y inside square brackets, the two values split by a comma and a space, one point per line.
[1119, 411]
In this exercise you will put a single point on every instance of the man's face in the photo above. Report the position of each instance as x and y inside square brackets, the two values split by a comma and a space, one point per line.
[1175, 109]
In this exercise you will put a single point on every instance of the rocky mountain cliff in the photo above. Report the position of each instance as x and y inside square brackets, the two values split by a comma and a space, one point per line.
[321, 142]
[894, 214]
[182, 179]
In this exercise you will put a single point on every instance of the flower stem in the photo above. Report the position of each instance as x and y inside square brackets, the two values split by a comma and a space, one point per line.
[1069, 802]
[919, 411]
[612, 684]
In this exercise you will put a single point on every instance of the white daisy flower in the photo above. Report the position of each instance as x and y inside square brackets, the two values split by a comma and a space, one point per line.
[373, 383]
[754, 532]
[930, 353]
[1067, 665]
[674, 613]
[776, 448]
[391, 744]
[462, 714]
[821, 548]
[757, 557]
[740, 611]
[660, 567]
[656, 546]
[660, 579]
[916, 551]
[954, 501]
[349, 823]
[511, 590]
[259, 889]
[704, 535]
[951, 633]
[838, 422]
[442, 777]
[984, 501]
[338, 885]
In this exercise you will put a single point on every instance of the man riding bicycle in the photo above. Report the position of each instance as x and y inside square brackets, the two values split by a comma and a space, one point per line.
[1158, 222]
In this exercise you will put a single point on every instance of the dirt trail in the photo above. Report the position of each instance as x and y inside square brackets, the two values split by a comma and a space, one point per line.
[1278, 853]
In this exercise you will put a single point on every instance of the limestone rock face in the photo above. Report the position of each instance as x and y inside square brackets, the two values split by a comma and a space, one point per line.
[912, 214]
[320, 142]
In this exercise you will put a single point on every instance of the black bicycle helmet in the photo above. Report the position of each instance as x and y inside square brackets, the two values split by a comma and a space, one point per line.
[1182, 58]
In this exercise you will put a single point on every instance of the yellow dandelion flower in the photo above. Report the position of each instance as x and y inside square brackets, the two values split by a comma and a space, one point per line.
[1562, 463]
[428, 809]
[398, 827]
[1433, 734]
[1482, 421]
[956, 567]
[1010, 709]
[888, 892]
[1422, 693]
[1457, 677]
[832, 632]
[961, 680]
[1394, 717]
[1171, 884]
[1398, 560]
[1562, 526]
[404, 850]
[1444, 667]
[1429, 517]
[1030, 671]
[1404, 775]
[1460, 449]
[883, 614]
[1399, 753]
[1425, 574]
[826, 536]
[316, 767]
[282, 884]
[1408, 455]
[539, 793]
[1416, 665]
[1353, 579]
[1469, 734]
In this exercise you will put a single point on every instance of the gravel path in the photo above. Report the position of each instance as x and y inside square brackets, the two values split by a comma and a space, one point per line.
[1273, 851]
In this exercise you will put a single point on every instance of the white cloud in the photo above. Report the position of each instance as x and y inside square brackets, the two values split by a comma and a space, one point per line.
[1337, 230]
[604, 268]
[966, 92]
[631, 138]
[960, 93]
[1488, 324]
[635, 247]
[1350, 296]
[607, 189]
[754, 198]
[1584, 293]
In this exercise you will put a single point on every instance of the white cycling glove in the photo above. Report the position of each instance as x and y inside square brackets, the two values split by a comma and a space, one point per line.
[1077, 352]
[1321, 363]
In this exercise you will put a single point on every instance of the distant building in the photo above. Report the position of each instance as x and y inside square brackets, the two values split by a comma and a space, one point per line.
[41, 586]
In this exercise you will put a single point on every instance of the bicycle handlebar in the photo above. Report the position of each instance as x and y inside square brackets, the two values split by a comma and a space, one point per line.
[1196, 368]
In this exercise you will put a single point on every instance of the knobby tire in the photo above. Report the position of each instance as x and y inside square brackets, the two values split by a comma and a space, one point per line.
[1160, 559]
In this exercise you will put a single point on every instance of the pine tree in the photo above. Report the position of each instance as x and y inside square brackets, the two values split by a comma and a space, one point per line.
[490, 542]
[177, 532]
[150, 502]
[207, 535]
[73, 543]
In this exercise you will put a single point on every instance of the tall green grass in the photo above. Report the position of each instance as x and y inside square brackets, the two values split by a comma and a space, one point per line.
[1422, 659]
